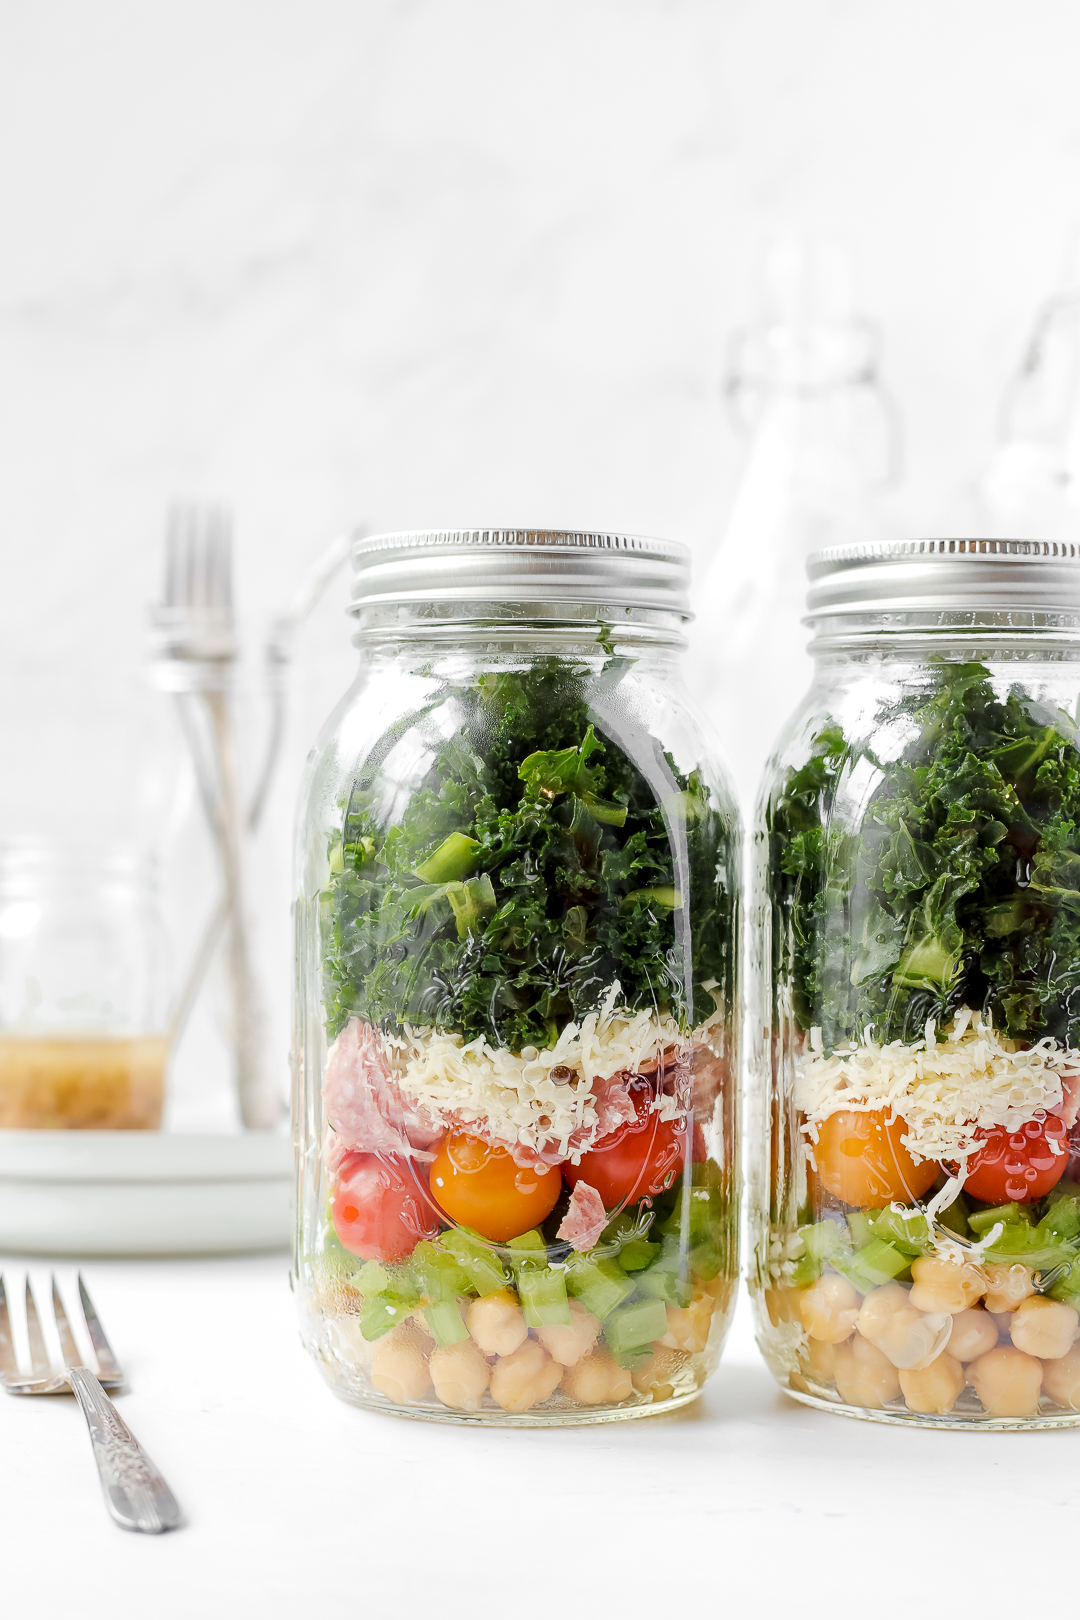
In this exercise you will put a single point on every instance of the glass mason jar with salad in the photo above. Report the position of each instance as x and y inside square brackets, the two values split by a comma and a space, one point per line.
[916, 1189]
[516, 1021]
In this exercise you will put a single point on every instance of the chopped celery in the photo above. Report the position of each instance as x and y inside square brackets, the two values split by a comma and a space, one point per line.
[697, 1211]
[637, 1254]
[981, 1220]
[382, 1312]
[706, 1260]
[476, 1259]
[821, 1242]
[454, 859]
[1062, 1220]
[372, 1278]
[631, 1329]
[1067, 1286]
[907, 1230]
[542, 1292]
[872, 1265]
[528, 1244]
[860, 1225]
[599, 1284]
[1026, 1245]
[437, 1274]
[444, 1320]
[667, 1278]
[955, 1218]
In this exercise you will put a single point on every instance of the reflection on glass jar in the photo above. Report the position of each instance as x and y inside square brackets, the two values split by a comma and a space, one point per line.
[83, 985]
[916, 1198]
[517, 950]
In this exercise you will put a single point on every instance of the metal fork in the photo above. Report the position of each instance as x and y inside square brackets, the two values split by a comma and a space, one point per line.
[135, 1493]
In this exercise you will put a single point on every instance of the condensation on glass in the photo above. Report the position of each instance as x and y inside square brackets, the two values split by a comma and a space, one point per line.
[515, 1054]
[915, 996]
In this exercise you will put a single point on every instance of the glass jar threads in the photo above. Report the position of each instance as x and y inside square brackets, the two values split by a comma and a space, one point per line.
[517, 944]
[916, 1064]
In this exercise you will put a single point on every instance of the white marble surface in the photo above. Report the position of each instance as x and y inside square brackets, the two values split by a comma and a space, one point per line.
[744, 1503]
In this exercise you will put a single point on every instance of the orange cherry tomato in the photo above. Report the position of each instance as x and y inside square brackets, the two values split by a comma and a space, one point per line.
[862, 1161]
[480, 1186]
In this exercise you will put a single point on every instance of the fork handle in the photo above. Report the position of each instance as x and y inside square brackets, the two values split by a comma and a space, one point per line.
[135, 1493]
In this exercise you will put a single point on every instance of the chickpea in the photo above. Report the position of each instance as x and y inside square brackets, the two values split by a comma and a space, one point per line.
[1007, 1382]
[1007, 1286]
[660, 1376]
[864, 1375]
[525, 1377]
[974, 1332]
[933, 1388]
[1061, 1379]
[941, 1284]
[399, 1365]
[689, 1329]
[597, 1378]
[908, 1337]
[829, 1308]
[1044, 1327]
[820, 1359]
[460, 1375]
[567, 1345]
[782, 1305]
[497, 1323]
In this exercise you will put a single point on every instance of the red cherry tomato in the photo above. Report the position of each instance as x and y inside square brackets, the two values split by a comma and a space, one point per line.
[636, 1161]
[481, 1186]
[1016, 1166]
[377, 1209]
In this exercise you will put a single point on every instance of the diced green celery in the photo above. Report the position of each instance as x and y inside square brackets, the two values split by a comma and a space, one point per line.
[474, 1257]
[981, 1220]
[860, 1225]
[1062, 1220]
[667, 1277]
[1026, 1245]
[694, 1215]
[382, 1312]
[444, 1320]
[600, 1285]
[372, 1278]
[872, 1265]
[528, 1245]
[820, 1241]
[542, 1292]
[1067, 1286]
[637, 1254]
[907, 1230]
[437, 1274]
[955, 1218]
[454, 859]
[631, 1329]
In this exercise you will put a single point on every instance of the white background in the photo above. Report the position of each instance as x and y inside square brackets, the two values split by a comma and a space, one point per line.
[477, 261]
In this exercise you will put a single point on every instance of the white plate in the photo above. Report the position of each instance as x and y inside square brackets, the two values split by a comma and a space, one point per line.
[143, 1192]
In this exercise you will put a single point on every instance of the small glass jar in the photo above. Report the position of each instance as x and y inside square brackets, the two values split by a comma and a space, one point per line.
[517, 945]
[83, 989]
[915, 1193]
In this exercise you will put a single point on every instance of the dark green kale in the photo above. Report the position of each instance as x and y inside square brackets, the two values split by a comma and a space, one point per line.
[955, 883]
[501, 864]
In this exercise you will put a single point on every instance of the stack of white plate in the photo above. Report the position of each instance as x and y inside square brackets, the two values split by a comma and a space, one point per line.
[142, 1193]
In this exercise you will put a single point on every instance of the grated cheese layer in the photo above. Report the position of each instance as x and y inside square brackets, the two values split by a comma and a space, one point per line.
[944, 1091]
[513, 1098]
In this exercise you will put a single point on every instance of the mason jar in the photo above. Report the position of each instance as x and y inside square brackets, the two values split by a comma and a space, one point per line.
[916, 993]
[84, 984]
[515, 1064]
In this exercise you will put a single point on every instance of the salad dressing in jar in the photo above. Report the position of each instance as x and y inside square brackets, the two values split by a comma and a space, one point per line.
[517, 948]
[916, 1187]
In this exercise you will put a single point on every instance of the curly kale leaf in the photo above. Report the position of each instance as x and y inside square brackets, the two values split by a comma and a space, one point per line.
[958, 882]
[525, 868]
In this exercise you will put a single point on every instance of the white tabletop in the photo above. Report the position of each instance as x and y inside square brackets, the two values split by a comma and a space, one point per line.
[299, 1504]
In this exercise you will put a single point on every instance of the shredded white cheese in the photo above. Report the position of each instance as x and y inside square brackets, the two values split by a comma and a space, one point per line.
[943, 1091]
[513, 1094]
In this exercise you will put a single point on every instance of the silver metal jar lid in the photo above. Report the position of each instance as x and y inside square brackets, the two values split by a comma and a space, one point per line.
[945, 576]
[521, 565]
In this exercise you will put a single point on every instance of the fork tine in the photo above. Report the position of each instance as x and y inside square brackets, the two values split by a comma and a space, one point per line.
[9, 1367]
[108, 1365]
[40, 1365]
[69, 1349]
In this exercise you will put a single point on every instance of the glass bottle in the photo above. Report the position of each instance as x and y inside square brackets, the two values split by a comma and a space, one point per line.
[915, 1191]
[516, 1018]
[83, 989]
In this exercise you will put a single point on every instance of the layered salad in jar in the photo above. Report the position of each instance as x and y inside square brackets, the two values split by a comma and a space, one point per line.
[527, 1102]
[923, 1256]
